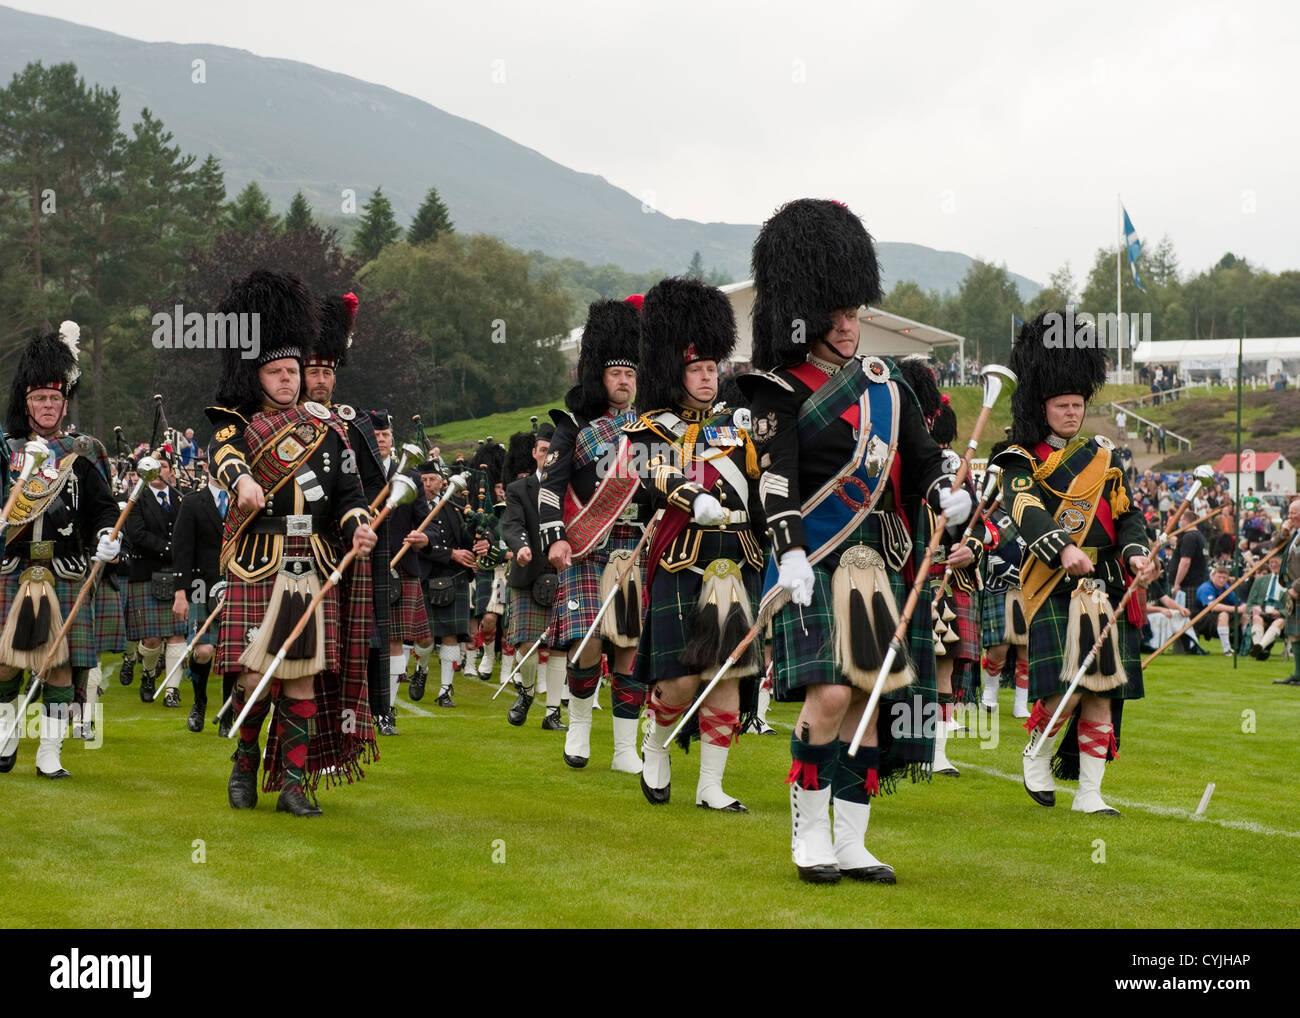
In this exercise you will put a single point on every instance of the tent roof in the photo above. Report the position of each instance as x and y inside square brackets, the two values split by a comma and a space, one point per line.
[1225, 350]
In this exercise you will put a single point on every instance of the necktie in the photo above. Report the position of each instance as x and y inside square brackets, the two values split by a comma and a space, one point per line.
[223, 502]
[162, 499]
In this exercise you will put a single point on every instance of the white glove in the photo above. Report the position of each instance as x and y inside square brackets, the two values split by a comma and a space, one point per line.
[707, 511]
[108, 547]
[956, 506]
[796, 576]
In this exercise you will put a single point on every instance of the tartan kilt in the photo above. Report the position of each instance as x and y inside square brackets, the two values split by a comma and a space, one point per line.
[408, 620]
[82, 652]
[993, 617]
[674, 600]
[110, 618]
[803, 654]
[483, 580]
[198, 615]
[526, 620]
[1047, 651]
[966, 625]
[1292, 628]
[498, 593]
[579, 588]
[454, 619]
[147, 616]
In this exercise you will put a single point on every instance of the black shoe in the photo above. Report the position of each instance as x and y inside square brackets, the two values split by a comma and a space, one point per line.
[444, 698]
[552, 722]
[655, 796]
[385, 724]
[147, 685]
[1290, 680]
[172, 698]
[819, 874]
[735, 806]
[223, 725]
[1147, 648]
[518, 712]
[416, 688]
[7, 762]
[60, 773]
[1042, 798]
[293, 801]
[195, 721]
[127, 674]
[241, 790]
[1198, 650]
[882, 874]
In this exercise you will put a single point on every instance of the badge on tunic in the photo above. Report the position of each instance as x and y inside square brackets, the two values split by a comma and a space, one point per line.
[1020, 484]
[1073, 521]
[741, 418]
[876, 369]
[550, 460]
[226, 433]
[316, 410]
[345, 412]
[289, 449]
[765, 429]
[1105, 442]
[723, 437]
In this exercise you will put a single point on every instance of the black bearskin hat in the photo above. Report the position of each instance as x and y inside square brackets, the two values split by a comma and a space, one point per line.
[944, 428]
[490, 457]
[49, 361]
[919, 376]
[1049, 363]
[337, 316]
[288, 323]
[611, 338]
[518, 458]
[812, 257]
[682, 321]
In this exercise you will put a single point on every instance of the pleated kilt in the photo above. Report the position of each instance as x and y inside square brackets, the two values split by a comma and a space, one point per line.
[82, 650]
[966, 625]
[110, 619]
[526, 620]
[803, 654]
[1292, 628]
[148, 617]
[483, 591]
[247, 604]
[408, 620]
[1047, 652]
[454, 619]
[199, 615]
[498, 593]
[993, 617]
[579, 590]
[674, 600]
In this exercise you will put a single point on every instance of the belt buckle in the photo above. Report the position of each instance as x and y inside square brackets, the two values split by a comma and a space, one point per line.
[297, 526]
[296, 566]
[42, 549]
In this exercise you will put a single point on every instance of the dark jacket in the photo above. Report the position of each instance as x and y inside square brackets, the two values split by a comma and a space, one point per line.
[519, 528]
[401, 521]
[196, 545]
[149, 528]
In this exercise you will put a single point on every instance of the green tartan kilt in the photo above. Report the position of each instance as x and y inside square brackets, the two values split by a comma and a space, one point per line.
[82, 650]
[526, 620]
[482, 591]
[454, 619]
[666, 628]
[993, 617]
[110, 618]
[148, 618]
[1292, 628]
[198, 615]
[1047, 652]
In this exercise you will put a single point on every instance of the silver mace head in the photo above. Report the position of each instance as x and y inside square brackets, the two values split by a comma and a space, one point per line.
[1205, 474]
[35, 453]
[411, 454]
[402, 492]
[996, 378]
[457, 483]
[991, 475]
[147, 468]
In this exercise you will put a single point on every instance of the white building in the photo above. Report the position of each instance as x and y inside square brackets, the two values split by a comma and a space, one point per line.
[1269, 468]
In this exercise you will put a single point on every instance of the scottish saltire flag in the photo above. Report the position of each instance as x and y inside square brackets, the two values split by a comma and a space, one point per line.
[1016, 319]
[1134, 249]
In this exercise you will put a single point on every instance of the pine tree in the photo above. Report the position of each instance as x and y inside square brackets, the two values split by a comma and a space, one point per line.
[432, 219]
[299, 215]
[251, 211]
[696, 269]
[378, 227]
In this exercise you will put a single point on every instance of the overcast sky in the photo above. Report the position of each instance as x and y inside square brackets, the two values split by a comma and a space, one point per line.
[1004, 131]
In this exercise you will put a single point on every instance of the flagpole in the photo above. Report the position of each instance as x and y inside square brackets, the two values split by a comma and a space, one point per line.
[1119, 285]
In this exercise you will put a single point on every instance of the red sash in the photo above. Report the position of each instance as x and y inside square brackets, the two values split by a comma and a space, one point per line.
[814, 377]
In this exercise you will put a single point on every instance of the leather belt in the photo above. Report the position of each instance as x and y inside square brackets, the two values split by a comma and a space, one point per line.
[292, 526]
[43, 550]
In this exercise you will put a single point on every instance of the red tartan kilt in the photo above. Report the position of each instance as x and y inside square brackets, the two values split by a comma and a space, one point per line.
[966, 625]
[245, 609]
[408, 620]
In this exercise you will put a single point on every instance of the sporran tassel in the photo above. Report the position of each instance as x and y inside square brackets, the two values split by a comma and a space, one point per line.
[861, 575]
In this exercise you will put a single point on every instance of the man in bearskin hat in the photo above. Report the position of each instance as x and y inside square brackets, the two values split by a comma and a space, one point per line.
[321, 365]
[64, 516]
[846, 463]
[705, 559]
[151, 625]
[592, 516]
[1085, 541]
[196, 554]
[534, 611]
[298, 504]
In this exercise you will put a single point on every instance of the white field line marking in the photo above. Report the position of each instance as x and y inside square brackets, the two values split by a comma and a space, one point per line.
[1164, 811]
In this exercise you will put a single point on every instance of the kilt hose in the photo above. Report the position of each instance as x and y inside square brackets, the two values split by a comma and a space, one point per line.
[342, 732]
[453, 620]
[408, 620]
[148, 617]
[198, 615]
[82, 649]
[1047, 651]
[110, 619]
[579, 590]
[526, 620]
[674, 601]
[803, 654]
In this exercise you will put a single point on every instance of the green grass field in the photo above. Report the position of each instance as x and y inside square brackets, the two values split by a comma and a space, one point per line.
[467, 822]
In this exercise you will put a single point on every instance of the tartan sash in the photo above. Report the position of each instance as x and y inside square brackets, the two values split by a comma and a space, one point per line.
[827, 520]
[587, 525]
[277, 444]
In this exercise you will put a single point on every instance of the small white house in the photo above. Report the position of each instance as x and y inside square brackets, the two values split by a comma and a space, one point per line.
[1259, 470]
